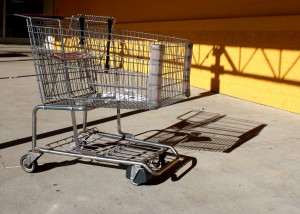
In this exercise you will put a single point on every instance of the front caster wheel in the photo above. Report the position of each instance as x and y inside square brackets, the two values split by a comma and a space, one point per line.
[159, 162]
[28, 168]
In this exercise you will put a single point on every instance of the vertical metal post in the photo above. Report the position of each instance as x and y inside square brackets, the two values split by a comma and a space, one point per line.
[84, 123]
[119, 121]
[34, 124]
[155, 76]
[187, 69]
[124, 135]
[75, 129]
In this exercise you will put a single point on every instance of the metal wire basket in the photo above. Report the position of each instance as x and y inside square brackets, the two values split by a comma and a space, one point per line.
[83, 63]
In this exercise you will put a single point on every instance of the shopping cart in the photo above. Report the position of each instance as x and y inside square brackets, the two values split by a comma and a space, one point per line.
[82, 63]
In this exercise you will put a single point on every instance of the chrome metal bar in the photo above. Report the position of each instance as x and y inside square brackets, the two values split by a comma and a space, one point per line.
[123, 134]
[75, 129]
[84, 122]
[118, 137]
[113, 160]
[67, 108]
[37, 17]
[48, 107]
[119, 121]
[34, 124]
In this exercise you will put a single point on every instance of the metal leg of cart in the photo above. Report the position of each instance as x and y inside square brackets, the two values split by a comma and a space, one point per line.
[75, 131]
[84, 122]
[123, 134]
[28, 161]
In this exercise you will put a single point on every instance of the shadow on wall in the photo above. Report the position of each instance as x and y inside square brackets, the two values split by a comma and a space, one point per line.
[260, 66]
[276, 73]
[199, 130]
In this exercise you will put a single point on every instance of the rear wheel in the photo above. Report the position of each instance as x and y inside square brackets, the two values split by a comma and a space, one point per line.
[28, 168]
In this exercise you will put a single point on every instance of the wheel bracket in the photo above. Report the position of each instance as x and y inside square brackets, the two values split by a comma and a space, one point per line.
[31, 157]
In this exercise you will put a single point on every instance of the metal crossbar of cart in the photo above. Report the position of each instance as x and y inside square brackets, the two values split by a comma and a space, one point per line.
[82, 63]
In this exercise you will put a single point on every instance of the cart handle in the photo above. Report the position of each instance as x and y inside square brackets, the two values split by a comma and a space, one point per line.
[39, 16]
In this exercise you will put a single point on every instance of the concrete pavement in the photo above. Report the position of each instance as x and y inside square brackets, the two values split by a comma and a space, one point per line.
[238, 156]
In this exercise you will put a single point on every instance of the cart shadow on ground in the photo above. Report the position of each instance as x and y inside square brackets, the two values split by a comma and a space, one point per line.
[207, 131]
[202, 131]
[12, 54]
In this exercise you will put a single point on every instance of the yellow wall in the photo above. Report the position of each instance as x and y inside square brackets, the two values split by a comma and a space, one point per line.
[254, 58]
[175, 10]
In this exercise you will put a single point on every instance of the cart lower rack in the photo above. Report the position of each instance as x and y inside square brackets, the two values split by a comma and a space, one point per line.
[82, 63]
[144, 158]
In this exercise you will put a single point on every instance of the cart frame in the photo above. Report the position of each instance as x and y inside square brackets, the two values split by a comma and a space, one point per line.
[139, 170]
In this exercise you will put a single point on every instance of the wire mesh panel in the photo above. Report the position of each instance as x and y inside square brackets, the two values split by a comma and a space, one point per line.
[80, 61]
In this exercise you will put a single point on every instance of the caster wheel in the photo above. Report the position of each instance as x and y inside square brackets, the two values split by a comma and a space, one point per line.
[28, 168]
[159, 162]
[155, 163]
